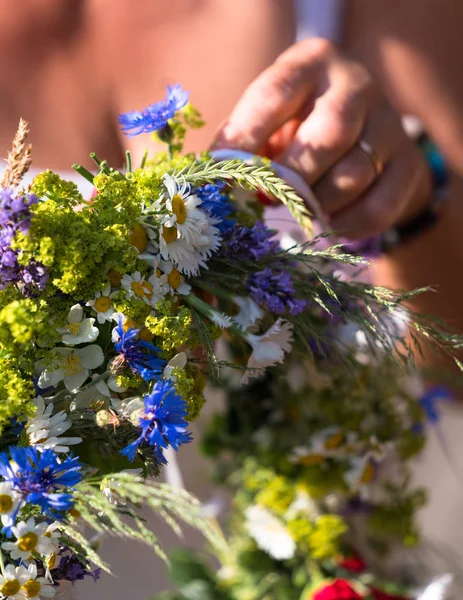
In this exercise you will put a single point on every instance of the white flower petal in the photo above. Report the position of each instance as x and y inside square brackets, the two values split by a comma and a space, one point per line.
[250, 312]
[268, 349]
[91, 357]
[269, 533]
[75, 381]
[75, 314]
[50, 378]
[438, 589]
[179, 360]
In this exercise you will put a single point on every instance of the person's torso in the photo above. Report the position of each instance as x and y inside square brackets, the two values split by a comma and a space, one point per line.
[71, 68]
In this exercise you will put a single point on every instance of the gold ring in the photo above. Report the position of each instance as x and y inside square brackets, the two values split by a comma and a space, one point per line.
[368, 149]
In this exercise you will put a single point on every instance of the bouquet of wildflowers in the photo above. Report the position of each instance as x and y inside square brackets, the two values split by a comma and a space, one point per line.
[110, 308]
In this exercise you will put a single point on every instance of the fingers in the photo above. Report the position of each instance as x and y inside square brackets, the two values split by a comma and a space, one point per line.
[279, 94]
[385, 202]
[335, 123]
[356, 171]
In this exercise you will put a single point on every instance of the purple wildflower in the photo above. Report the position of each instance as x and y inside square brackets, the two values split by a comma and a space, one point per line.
[162, 423]
[274, 290]
[155, 116]
[71, 568]
[15, 216]
[249, 243]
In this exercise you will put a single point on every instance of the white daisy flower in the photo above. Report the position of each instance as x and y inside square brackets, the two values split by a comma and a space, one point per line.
[249, 314]
[268, 349]
[35, 587]
[72, 366]
[269, 533]
[188, 256]
[182, 205]
[40, 538]
[9, 503]
[152, 249]
[11, 581]
[44, 429]
[78, 330]
[102, 305]
[136, 285]
[361, 474]
[178, 361]
[188, 235]
[328, 442]
[175, 281]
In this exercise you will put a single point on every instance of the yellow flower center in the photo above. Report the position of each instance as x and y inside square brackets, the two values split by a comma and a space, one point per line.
[102, 304]
[149, 289]
[139, 238]
[311, 459]
[6, 503]
[138, 289]
[179, 208]
[31, 588]
[334, 441]
[115, 277]
[174, 278]
[368, 474]
[28, 541]
[169, 234]
[71, 364]
[74, 328]
[10, 587]
[158, 273]
[97, 403]
[129, 324]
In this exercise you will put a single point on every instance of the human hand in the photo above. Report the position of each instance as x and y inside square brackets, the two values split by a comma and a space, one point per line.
[323, 115]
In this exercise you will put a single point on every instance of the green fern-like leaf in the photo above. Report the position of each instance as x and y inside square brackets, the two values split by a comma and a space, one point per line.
[122, 518]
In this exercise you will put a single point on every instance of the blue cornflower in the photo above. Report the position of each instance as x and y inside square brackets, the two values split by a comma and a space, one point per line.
[155, 116]
[141, 356]
[274, 290]
[217, 204]
[40, 477]
[249, 243]
[162, 423]
[430, 400]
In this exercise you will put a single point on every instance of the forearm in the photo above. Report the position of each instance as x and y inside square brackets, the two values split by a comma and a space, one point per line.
[433, 259]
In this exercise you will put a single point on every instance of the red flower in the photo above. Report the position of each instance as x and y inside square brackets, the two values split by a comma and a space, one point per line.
[339, 589]
[264, 199]
[353, 563]
[379, 595]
